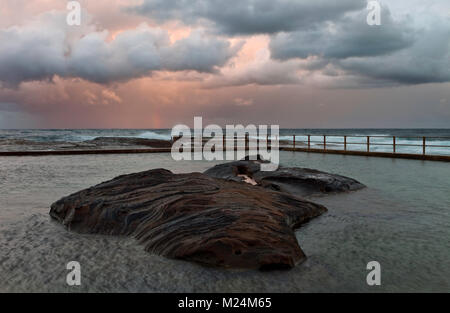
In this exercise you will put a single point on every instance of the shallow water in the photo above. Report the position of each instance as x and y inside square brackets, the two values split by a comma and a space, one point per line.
[402, 220]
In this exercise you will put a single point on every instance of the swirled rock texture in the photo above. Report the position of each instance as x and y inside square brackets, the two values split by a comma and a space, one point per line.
[296, 181]
[194, 217]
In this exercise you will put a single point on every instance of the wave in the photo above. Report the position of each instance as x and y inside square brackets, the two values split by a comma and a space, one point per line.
[81, 138]
[154, 135]
[142, 135]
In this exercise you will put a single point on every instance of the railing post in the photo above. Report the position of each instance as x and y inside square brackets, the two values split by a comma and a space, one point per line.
[424, 145]
[368, 143]
[294, 141]
[309, 141]
[393, 144]
[345, 143]
[324, 142]
[247, 142]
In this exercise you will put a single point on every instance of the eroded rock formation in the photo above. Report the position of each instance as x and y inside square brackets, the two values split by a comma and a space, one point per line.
[296, 181]
[194, 217]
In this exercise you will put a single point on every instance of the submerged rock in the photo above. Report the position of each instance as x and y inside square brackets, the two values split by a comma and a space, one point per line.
[100, 143]
[129, 141]
[194, 217]
[296, 181]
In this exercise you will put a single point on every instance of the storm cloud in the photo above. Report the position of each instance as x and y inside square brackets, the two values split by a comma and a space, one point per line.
[238, 17]
[45, 48]
[426, 61]
[347, 37]
[395, 53]
[333, 39]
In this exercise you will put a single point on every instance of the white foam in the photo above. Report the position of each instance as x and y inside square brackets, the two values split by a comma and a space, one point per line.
[154, 135]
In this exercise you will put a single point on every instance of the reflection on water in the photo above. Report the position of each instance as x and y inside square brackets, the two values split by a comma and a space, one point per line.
[402, 221]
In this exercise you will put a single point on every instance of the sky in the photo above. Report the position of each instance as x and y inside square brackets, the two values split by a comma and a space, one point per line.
[158, 63]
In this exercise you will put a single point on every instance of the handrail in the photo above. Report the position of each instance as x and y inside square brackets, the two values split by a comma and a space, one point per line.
[327, 142]
[424, 142]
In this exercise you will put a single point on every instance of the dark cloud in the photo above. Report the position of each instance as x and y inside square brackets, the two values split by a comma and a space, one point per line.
[426, 61]
[238, 17]
[354, 54]
[31, 52]
[347, 37]
[44, 48]
[332, 36]
[314, 41]
[138, 52]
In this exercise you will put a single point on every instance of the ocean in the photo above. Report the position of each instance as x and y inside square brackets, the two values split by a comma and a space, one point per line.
[407, 140]
[401, 220]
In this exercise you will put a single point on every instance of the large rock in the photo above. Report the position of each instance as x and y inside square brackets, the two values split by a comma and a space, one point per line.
[193, 217]
[296, 181]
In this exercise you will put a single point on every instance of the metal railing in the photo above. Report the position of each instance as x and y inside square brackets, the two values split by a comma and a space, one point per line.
[348, 143]
[328, 142]
[368, 143]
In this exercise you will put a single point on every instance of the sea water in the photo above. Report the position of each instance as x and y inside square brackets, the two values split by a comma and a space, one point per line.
[407, 140]
[402, 221]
